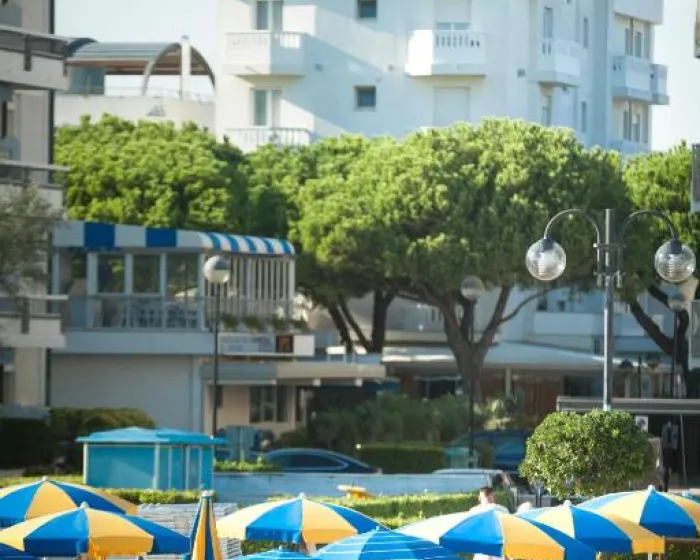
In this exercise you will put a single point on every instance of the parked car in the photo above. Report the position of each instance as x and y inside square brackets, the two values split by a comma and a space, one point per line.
[508, 446]
[316, 460]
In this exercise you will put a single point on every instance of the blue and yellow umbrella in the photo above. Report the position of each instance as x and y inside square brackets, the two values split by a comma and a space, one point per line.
[610, 534]
[297, 521]
[44, 497]
[662, 513]
[9, 553]
[93, 533]
[204, 538]
[382, 544]
[495, 533]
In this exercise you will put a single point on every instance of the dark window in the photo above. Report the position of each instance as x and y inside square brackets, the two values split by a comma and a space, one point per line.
[365, 97]
[281, 460]
[268, 404]
[311, 461]
[367, 9]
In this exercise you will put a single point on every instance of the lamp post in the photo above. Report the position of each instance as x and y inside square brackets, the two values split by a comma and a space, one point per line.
[472, 287]
[216, 271]
[546, 261]
[676, 303]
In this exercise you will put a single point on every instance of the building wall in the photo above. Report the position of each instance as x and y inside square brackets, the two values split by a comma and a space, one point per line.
[167, 388]
[342, 52]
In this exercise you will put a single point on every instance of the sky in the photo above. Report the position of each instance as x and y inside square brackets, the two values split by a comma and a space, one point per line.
[169, 20]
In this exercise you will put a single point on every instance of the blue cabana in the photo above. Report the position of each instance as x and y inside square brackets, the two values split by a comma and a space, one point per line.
[159, 459]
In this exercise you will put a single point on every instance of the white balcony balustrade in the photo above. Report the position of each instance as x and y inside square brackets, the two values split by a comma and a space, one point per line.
[446, 53]
[265, 53]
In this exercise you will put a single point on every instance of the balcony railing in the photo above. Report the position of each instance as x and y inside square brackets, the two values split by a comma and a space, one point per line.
[270, 53]
[146, 312]
[27, 308]
[560, 62]
[445, 53]
[34, 59]
[250, 139]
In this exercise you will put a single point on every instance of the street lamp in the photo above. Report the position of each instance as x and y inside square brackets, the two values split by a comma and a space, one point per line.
[472, 287]
[216, 271]
[546, 261]
[676, 303]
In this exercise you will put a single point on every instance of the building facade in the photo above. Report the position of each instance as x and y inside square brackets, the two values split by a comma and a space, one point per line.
[32, 69]
[290, 71]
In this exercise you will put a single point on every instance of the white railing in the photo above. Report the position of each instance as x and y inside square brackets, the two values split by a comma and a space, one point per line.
[155, 312]
[250, 139]
[428, 48]
[632, 73]
[561, 47]
[128, 92]
[265, 52]
[659, 79]
[561, 57]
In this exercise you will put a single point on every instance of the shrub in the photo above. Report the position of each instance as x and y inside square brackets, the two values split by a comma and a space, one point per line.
[260, 465]
[588, 454]
[138, 496]
[294, 438]
[25, 441]
[403, 458]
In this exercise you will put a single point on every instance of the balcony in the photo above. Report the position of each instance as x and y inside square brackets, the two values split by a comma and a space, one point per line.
[117, 324]
[637, 79]
[265, 53]
[30, 60]
[17, 174]
[559, 63]
[250, 139]
[629, 148]
[32, 321]
[446, 53]
[645, 10]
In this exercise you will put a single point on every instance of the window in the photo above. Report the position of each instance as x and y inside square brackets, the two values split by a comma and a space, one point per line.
[452, 26]
[268, 404]
[637, 127]
[638, 44]
[626, 126]
[365, 97]
[585, 31]
[313, 461]
[628, 41]
[548, 23]
[146, 274]
[367, 9]
[269, 15]
[110, 274]
[546, 110]
[584, 116]
[182, 273]
[266, 107]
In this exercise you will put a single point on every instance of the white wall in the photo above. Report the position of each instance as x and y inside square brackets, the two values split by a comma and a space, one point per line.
[342, 52]
[166, 388]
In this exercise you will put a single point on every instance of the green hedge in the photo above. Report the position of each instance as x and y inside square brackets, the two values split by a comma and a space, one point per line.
[25, 442]
[403, 457]
[244, 466]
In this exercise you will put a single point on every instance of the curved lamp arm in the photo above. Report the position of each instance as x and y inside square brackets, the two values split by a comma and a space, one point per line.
[591, 220]
[656, 213]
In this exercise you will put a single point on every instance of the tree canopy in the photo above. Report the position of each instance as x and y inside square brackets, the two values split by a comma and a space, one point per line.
[151, 174]
[588, 454]
[415, 217]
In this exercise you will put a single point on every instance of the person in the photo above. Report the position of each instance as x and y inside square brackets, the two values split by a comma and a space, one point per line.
[487, 502]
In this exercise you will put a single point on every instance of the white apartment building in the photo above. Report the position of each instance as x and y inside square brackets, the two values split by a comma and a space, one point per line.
[290, 71]
[32, 68]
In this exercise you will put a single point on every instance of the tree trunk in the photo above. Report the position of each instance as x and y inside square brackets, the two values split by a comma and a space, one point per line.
[341, 325]
[380, 312]
[347, 314]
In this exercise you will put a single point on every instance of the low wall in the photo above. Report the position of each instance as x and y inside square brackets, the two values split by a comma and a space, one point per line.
[249, 488]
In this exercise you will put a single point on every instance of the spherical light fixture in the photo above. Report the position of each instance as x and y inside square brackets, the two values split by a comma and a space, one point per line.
[216, 270]
[545, 260]
[674, 262]
[472, 287]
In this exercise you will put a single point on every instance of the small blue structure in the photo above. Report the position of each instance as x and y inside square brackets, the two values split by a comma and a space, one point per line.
[159, 459]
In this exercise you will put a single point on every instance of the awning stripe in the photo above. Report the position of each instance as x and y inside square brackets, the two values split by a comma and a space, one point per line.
[90, 236]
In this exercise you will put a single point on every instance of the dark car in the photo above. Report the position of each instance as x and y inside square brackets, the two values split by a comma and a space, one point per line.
[315, 460]
[508, 446]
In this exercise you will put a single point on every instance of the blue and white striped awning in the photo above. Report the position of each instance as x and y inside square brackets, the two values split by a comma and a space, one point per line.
[88, 236]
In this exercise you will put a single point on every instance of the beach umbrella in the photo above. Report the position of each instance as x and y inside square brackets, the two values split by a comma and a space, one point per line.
[204, 538]
[93, 533]
[9, 553]
[280, 553]
[382, 544]
[662, 513]
[297, 521]
[44, 497]
[609, 534]
[495, 533]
